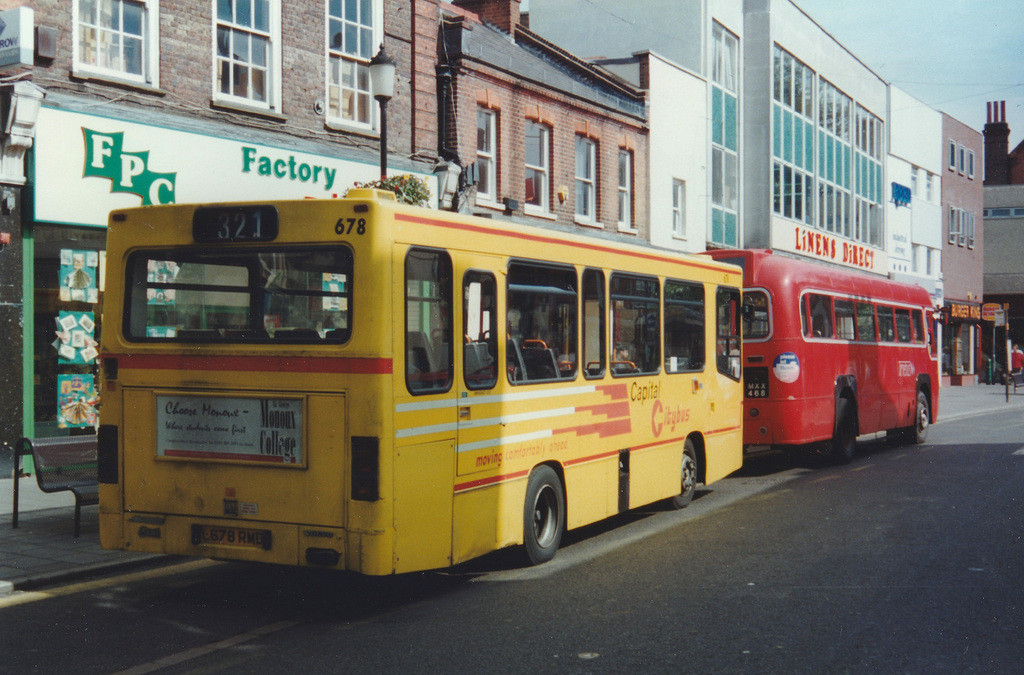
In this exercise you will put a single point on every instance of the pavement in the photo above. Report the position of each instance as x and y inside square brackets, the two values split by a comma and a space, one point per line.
[43, 551]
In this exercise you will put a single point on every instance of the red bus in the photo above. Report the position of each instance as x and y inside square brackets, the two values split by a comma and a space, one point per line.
[832, 354]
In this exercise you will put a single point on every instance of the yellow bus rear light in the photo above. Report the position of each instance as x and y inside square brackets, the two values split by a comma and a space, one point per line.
[106, 454]
[365, 468]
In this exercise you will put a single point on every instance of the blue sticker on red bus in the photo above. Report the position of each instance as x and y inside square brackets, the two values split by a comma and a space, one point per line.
[786, 367]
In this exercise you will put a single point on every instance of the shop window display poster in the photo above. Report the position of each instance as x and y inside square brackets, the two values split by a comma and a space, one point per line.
[76, 401]
[79, 275]
[76, 342]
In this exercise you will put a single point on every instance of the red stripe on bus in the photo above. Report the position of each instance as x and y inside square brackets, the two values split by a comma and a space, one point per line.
[602, 429]
[544, 239]
[616, 391]
[592, 458]
[616, 409]
[482, 482]
[723, 430]
[274, 364]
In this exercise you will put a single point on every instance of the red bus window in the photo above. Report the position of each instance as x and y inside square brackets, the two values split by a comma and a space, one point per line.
[918, 326]
[886, 326]
[903, 325]
[866, 322]
[845, 325]
[818, 313]
[756, 318]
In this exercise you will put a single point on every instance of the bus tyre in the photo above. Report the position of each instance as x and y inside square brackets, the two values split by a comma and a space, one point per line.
[844, 439]
[543, 515]
[689, 477]
[919, 432]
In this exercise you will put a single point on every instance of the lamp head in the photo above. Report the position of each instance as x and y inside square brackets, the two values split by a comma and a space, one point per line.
[382, 75]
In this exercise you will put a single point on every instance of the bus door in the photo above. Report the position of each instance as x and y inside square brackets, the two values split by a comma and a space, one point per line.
[425, 413]
[725, 430]
[478, 457]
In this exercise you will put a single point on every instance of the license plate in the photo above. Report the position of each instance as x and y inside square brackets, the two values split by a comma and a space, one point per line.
[215, 535]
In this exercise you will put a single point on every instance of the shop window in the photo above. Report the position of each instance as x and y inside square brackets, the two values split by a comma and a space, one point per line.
[68, 270]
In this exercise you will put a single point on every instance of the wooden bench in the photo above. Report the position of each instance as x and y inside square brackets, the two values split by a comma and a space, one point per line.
[63, 463]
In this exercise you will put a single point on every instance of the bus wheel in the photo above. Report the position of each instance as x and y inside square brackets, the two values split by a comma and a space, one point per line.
[689, 477]
[543, 515]
[919, 432]
[844, 440]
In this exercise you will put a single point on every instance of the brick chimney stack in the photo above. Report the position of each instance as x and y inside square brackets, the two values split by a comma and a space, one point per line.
[502, 14]
[997, 145]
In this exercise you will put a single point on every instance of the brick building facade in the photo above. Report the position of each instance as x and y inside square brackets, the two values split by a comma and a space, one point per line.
[588, 127]
[963, 254]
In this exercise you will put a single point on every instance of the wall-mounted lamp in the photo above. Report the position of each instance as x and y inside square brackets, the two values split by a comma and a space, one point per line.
[382, 83]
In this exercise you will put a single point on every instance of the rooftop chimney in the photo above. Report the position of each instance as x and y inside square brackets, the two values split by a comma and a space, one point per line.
[997, 145]
[502, 14]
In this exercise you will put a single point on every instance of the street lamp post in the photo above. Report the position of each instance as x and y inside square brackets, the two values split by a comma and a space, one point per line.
[382, 82]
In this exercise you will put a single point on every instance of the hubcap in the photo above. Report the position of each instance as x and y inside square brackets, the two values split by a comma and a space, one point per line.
[689, 474]
[545, 516]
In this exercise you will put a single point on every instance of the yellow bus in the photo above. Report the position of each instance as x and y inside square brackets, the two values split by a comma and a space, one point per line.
[362, 385]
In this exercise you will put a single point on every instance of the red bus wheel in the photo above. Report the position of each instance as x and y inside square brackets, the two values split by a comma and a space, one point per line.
[919, 434]
[844, 439]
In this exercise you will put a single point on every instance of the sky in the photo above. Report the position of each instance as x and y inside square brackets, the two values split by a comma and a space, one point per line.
[953, 55]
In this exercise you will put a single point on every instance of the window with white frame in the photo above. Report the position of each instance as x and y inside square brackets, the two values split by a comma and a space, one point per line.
[952, 155]
[625, 190]
[724, 137]
[586, 170]
[963, 159]
[954, 225]
[678, 207]
[792, 138]
[117, 39]
[969, 220]
[538, 167]
[247, 61]
[837, 182]
[970, 164]
[486, 155]
[353, 35]
[868, 153]
[928, 185]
